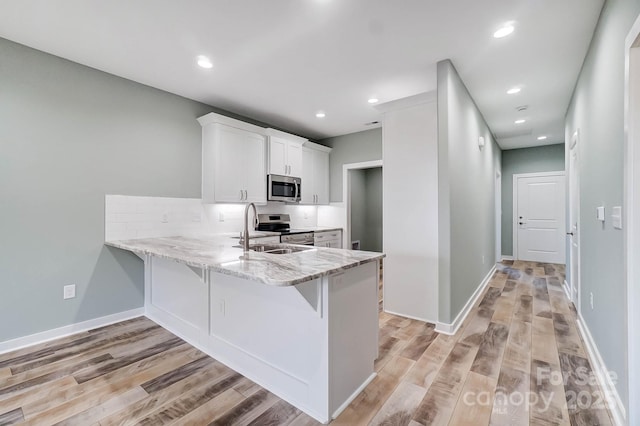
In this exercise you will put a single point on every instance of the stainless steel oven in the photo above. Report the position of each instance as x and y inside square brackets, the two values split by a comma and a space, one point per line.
[284, 188]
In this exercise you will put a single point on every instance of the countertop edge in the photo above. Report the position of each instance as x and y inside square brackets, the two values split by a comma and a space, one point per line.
[221, 269]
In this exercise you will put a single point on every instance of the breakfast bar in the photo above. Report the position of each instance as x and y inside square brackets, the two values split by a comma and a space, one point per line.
[300, 321]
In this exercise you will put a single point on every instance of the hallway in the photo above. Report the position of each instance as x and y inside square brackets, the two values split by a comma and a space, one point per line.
[517, 359]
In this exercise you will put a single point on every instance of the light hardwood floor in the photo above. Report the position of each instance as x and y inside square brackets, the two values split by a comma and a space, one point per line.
[517, 359]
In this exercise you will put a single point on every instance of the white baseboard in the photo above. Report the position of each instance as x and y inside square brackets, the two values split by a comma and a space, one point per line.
[505, 257]
[67, 330]
[451, 329]
[611, 395]
[408, 316]
[567, 291]
[354, 395]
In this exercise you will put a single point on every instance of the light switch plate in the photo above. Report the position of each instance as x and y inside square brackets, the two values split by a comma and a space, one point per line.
[616, 217]
[600, 213]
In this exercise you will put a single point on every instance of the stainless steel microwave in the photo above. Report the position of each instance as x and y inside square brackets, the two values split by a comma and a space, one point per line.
[284, 188]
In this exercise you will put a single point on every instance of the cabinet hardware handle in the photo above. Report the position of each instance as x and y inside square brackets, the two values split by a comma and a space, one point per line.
[246, 195]
[241, 195]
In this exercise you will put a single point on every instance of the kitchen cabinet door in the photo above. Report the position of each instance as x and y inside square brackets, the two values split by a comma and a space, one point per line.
[233, 163]
[294, 159]
[321, 173]
[331, 239]
[253, 168]
[285, 157]
[315, 176]
[277, 156]
[308, 180]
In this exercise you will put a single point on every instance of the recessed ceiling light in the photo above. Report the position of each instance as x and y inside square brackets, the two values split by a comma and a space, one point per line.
[204, 62]
[520, 121]
[320, 114]
[513, 90]
[541, 138]
[373, 100]
[504, 31]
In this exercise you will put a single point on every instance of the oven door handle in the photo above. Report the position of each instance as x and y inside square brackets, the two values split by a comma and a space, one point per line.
[297, 191]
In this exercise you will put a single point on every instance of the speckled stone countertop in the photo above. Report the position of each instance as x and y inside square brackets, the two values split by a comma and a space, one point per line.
[217, 253]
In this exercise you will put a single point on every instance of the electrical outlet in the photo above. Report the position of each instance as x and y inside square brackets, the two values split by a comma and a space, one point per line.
[221, 217]
[69, 291]
[483, 260]
[591, 299]
[165, 218]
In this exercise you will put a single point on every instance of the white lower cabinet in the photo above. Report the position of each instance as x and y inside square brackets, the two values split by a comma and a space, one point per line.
[331, 239]
[233, 162]
[304, 342]
[275, 239]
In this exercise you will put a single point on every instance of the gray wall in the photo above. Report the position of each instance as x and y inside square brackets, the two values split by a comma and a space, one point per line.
[466, 194]
[68, 135]
[597, 110]
[352, 148]
[373, 237]
[366, 208]
[549, 158]
[358, 206]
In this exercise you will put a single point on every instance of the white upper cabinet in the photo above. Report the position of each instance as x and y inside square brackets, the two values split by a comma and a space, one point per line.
[285, 153]
[315, 174]
[233, 161]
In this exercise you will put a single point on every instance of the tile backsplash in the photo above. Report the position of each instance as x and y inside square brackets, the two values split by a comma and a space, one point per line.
[129, 217]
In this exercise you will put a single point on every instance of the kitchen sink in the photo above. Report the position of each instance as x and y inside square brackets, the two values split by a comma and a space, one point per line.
[277, 249]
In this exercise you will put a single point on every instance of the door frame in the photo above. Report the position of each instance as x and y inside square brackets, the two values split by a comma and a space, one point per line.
[346, 195]
[631, 202]
[514, 212]
[498, 211]
[572, 287]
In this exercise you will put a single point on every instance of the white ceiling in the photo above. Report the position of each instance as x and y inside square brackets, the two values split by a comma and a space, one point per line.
[281, 61]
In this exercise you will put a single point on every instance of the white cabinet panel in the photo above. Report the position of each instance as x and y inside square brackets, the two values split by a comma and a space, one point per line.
[315, 176]
[253, 169]
[285, 155]
[233, 165]
[322, 177]
[308, 180]
[277, 156]
[331, 239]
[294, 158]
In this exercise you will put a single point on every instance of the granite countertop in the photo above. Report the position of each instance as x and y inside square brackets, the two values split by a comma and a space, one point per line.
[217, 253]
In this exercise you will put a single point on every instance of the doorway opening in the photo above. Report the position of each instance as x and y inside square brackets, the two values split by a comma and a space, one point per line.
[362, 186]
[630, 223]
[498, 210]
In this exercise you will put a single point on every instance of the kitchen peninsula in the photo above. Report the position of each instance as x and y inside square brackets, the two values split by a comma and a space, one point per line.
[304, 325]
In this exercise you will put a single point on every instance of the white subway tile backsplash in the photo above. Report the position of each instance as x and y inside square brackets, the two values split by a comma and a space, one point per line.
[129, 217]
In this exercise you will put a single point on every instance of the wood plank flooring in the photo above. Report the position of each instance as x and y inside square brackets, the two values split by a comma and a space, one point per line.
[517, 360]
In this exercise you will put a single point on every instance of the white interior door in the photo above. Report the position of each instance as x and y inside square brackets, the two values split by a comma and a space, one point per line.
[574, 222]
[540, 217]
